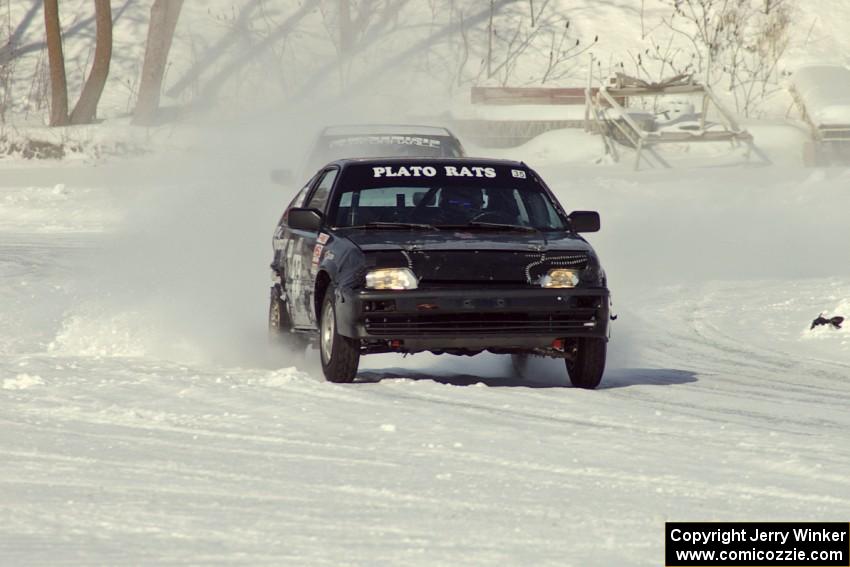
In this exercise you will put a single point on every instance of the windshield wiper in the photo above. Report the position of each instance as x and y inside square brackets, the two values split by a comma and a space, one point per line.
[411, 225]
[490, 225]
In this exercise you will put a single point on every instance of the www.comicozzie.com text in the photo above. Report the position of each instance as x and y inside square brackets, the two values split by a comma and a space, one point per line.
[726, 536]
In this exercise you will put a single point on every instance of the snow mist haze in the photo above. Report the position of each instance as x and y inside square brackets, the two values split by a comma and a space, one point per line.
[186, 275]
[188, 269]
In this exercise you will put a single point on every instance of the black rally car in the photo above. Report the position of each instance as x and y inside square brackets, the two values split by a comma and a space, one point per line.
[451, 256]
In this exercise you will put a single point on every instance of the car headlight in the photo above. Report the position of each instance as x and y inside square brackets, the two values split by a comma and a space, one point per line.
[593, 275]
[560, 278]
[391, 278]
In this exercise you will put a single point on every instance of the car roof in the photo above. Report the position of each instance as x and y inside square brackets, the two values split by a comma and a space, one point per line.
[428, 161]
[385, 129]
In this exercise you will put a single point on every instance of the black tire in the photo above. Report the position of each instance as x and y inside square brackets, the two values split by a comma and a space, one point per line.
[280, 325]
[340, 355]
[588, 365]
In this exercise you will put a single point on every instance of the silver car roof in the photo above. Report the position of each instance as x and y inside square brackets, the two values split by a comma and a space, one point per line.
[385, 129]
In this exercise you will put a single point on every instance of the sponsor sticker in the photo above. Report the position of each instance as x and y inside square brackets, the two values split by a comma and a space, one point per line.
[429, 171]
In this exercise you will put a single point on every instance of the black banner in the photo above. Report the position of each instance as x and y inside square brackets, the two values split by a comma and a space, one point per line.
[757, 544]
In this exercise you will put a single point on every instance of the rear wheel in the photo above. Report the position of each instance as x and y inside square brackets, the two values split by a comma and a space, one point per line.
[280, 325]
[586, 367]
[340, 355]
[519, 362]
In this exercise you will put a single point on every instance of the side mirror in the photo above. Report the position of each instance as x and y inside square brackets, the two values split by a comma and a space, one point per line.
[585, 221]
[281, 176]
[304, 219]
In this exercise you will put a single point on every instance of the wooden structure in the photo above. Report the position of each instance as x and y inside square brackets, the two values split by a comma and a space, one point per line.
[502, 132]
[531, 95]
[610, 117]
[821, 93]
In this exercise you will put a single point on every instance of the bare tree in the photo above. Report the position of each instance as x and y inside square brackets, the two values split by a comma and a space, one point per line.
[736, 44]
[7, 45]
[516, 44]
[346, 40]
[58, 83]
[85, 110]
[164, 16]
[561, 51]
[490, 32]
[351, 23]
[346, 28]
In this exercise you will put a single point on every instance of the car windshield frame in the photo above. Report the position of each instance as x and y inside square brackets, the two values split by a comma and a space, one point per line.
[509, 202]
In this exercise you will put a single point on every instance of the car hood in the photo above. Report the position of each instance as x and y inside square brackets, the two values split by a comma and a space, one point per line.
[413, 240]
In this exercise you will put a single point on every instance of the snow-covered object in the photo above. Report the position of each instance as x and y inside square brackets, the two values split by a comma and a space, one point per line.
[825, 92]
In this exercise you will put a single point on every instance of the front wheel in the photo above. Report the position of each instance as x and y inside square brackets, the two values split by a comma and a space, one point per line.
[586, 367]
[340, 355]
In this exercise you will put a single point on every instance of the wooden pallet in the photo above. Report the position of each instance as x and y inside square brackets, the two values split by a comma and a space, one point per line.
[620, 126]
[532, 95]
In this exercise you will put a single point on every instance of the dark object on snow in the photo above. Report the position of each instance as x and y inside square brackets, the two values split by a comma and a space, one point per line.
[821, 320]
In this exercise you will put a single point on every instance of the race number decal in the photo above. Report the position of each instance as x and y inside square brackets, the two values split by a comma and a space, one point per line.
[317, 254]
[518, 173]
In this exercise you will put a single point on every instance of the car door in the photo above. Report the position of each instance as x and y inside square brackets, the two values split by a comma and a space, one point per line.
[279, 240]
[299, 255]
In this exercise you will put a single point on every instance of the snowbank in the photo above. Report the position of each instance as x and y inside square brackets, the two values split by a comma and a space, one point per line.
[568, 145]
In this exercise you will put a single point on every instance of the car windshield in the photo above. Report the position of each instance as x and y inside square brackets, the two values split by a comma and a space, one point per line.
[503, 201]
[332, 148]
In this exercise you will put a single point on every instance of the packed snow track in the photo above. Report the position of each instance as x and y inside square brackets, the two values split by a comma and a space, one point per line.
[145, 420]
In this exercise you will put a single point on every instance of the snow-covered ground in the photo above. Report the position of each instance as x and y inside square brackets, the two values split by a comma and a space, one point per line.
[145, 421]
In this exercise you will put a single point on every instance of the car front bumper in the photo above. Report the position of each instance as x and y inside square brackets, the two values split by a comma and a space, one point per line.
[473, 318]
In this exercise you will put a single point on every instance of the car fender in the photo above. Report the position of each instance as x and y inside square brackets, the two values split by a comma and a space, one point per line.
[342, 262]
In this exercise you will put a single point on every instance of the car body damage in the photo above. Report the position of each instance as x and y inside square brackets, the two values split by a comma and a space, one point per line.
[455, 256]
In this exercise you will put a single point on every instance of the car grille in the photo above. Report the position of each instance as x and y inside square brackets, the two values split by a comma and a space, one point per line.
[481, 323]
[491, 266]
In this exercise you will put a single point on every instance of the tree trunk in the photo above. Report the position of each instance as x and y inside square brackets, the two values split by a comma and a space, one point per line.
[164, 15]
[346, 31]
[58, 84]
[490, 43]
[86, 109]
